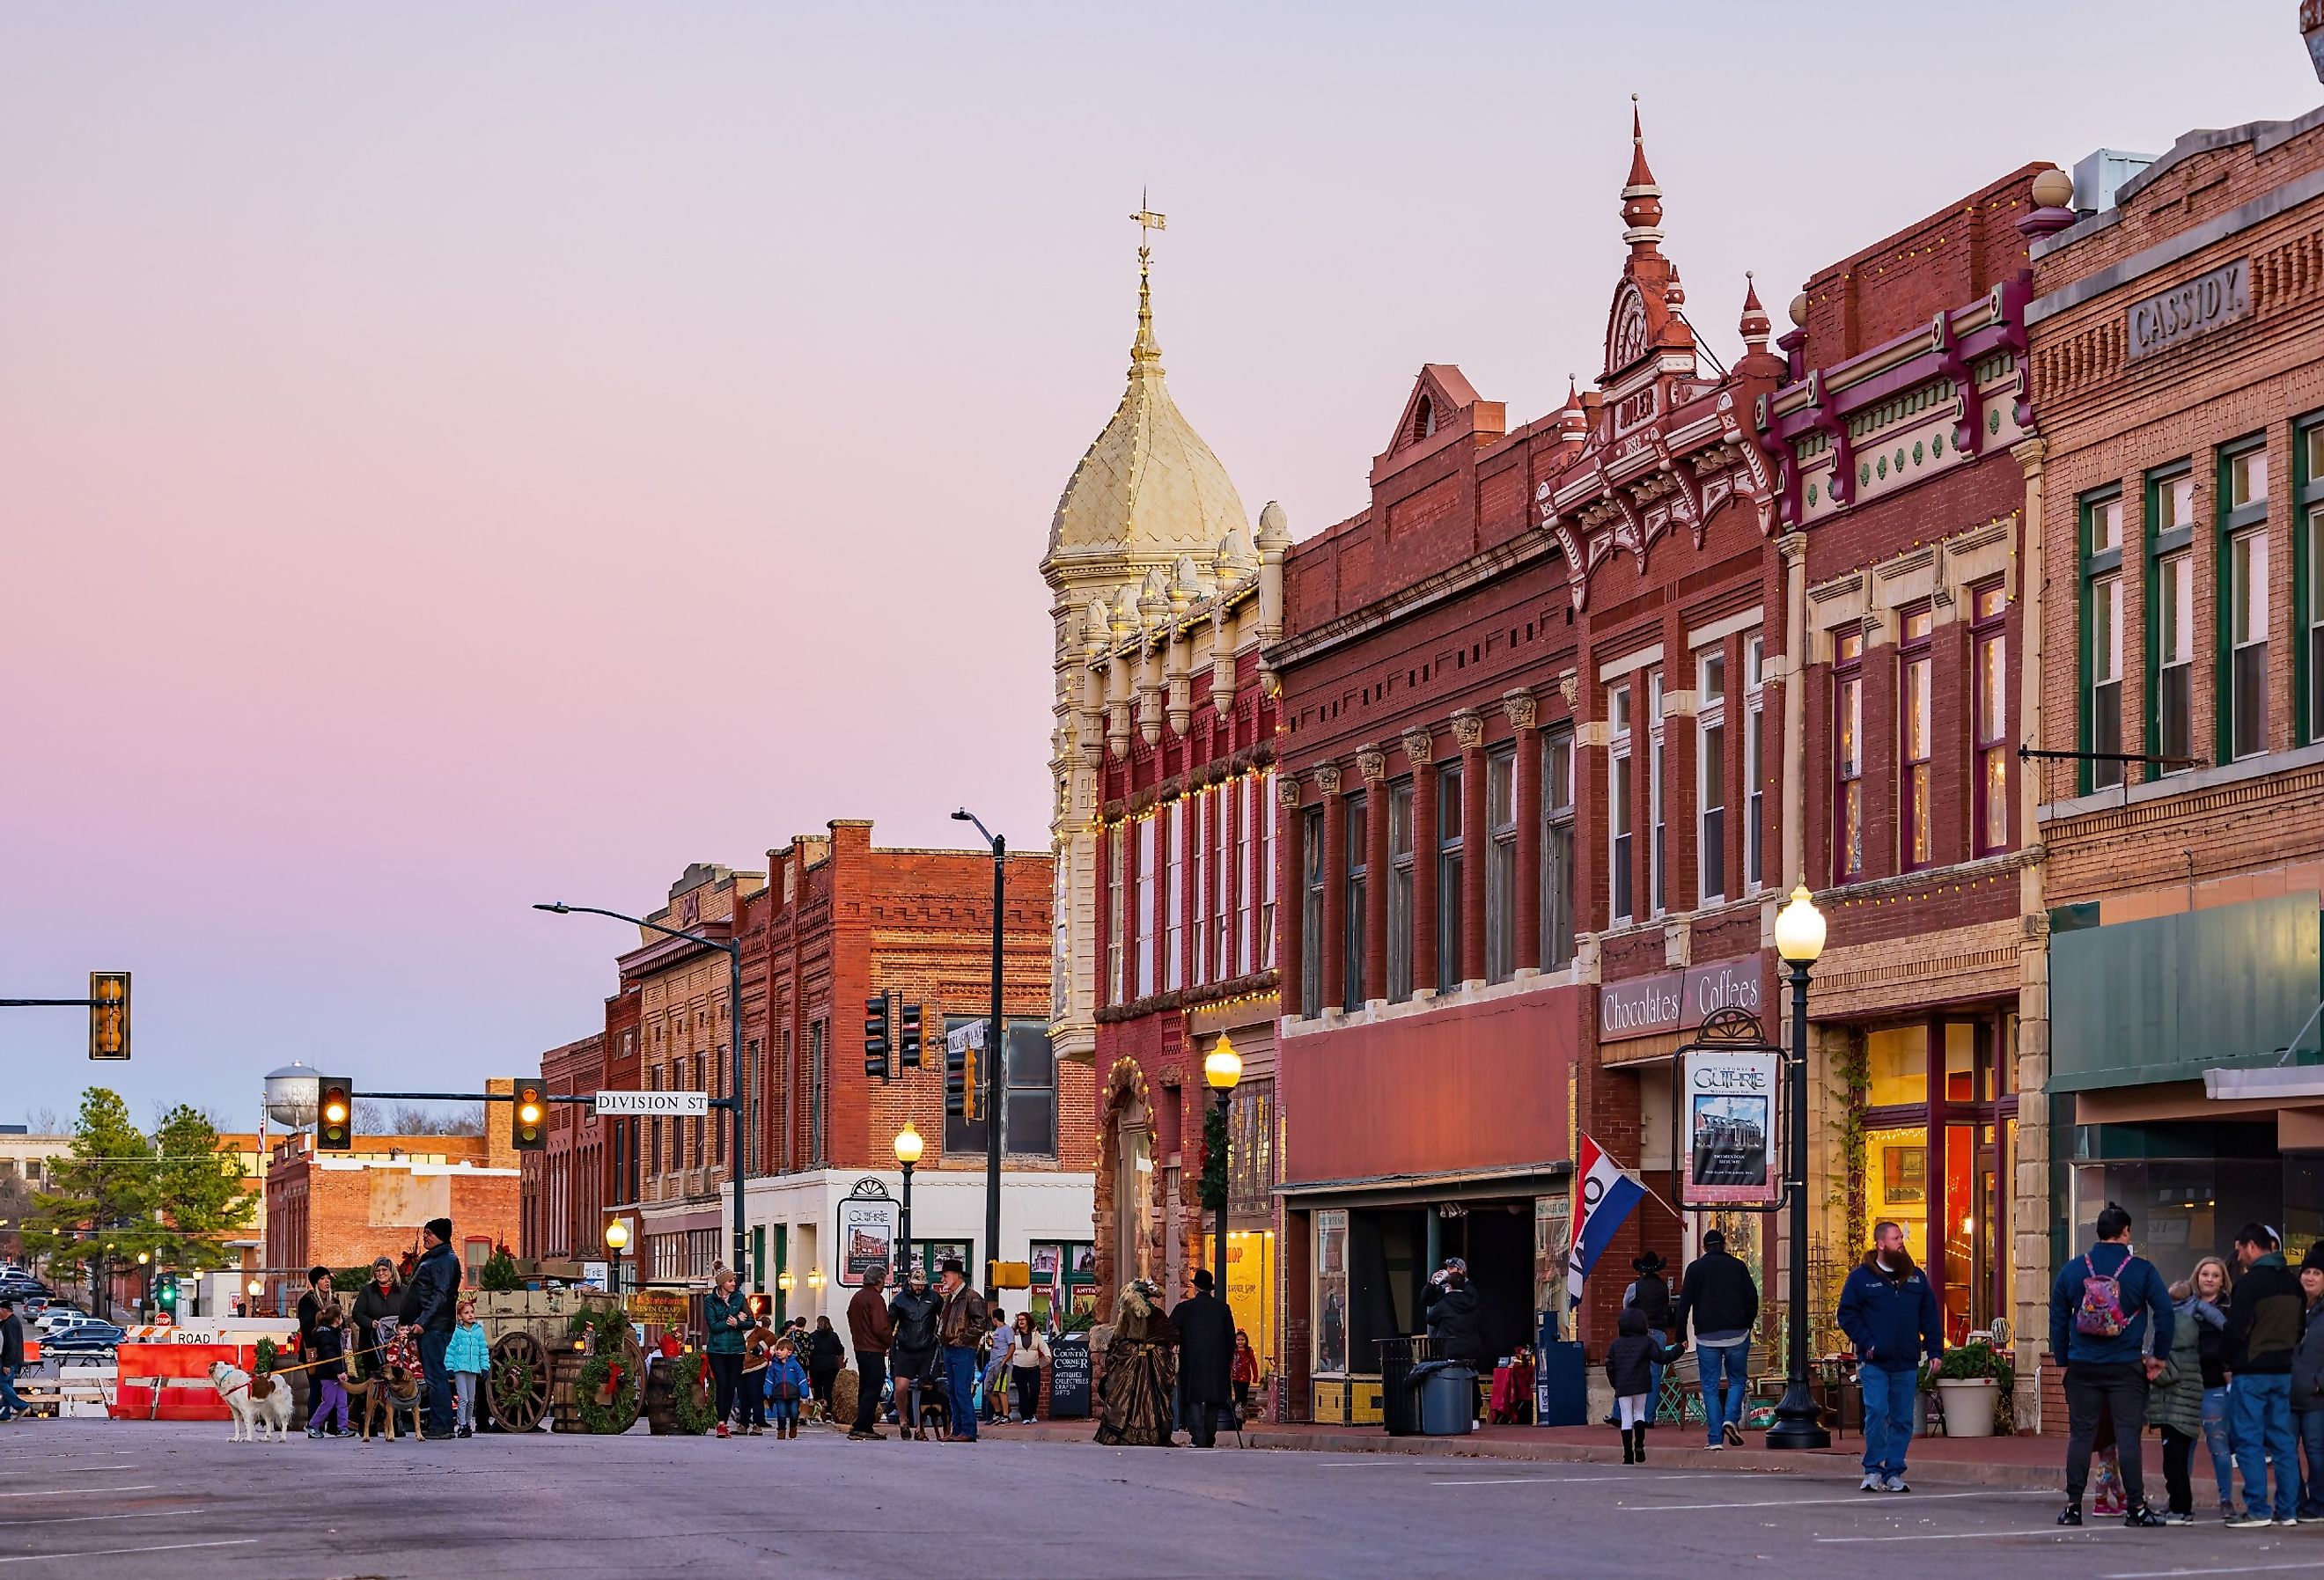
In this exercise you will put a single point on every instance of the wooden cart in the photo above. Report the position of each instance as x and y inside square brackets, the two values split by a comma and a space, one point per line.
[534, 1356]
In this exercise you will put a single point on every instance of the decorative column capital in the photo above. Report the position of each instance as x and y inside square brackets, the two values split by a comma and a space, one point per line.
[1419, 745]
[1327, 778]
[1372, 762]
[1288, 793]
[1520, 704]
[1791, 547]
[1569, 685]
[1468, 728]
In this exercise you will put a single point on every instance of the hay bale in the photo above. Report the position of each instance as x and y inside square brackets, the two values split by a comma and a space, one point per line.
[846, 1390]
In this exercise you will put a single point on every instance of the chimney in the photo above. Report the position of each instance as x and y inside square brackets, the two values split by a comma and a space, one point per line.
[500, 1144]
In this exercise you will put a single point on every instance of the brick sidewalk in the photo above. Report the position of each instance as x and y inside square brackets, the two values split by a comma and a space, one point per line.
[2029, 1463]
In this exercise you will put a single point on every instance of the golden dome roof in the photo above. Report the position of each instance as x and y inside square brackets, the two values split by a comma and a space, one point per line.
[1148, 486]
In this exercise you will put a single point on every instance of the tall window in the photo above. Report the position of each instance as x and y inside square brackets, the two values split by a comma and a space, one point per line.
[2243, 517]
[1448, 877]
[1848, 755]
[1141, 926]
[1351, 932]
[1618, 805]
[1311, 914]
[2308, 455]
[1557, 848]
[1656, 792]
[818, 1092]
[2101, 721]
[1399, 891]
[1501, 865]
[2171, 613]
[1028, 1120]
[1116, 850]
[1989, 654]
[1263, 814]
[1254, 808]
[1173, 900]
[1711, 774]
[1226, 877]
[1755, 762]
[1913, 667]
[1201, 817]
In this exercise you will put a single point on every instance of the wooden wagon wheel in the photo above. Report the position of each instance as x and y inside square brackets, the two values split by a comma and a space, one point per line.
[520, 1382]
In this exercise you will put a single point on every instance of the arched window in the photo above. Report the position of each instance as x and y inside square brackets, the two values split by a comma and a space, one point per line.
[1424, 419]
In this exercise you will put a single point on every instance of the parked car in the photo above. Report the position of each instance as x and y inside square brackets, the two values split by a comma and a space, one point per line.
[58, 1318]
[92, 1337]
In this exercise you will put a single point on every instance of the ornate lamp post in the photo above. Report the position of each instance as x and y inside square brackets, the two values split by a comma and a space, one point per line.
[1799, 940]
[909, 1146]
[617, 1236]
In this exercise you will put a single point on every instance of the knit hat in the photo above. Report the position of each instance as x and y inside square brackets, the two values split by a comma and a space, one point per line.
[441, 1228]
[2315, 1257]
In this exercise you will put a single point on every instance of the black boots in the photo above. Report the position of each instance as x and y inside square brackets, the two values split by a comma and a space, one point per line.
[1634, 1444]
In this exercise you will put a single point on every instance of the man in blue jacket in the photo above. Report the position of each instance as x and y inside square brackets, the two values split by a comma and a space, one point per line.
[1889, 1314]
[2101, 1308]
[428, 1305]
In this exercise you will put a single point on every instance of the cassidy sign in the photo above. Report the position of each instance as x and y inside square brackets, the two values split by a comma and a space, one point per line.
[2174, 316]
[1676, 1000]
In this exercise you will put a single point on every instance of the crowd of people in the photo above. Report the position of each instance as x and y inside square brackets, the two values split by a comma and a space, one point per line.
[419, 1327]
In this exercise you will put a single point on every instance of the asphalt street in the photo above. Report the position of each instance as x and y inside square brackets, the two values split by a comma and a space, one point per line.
[86, 1498]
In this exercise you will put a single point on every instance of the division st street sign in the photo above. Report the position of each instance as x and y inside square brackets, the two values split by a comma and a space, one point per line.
[664, 1104]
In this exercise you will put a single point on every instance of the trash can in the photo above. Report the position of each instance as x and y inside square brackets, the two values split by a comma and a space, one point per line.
[1448, 1398]
[1399, 1405]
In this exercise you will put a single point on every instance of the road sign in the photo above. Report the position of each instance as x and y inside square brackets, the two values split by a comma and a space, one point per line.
[653, 1102]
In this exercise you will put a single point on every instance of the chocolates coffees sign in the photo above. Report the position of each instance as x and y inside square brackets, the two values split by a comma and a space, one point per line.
[1676, 1000]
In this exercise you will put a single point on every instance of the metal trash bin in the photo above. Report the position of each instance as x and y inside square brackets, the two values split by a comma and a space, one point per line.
[1399, 1405]
[1448, 1398]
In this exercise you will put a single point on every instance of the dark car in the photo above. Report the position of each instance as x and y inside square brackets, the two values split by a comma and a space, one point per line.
[85, 1338]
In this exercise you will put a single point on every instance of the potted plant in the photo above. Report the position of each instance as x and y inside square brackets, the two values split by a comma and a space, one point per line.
[1971, 1380]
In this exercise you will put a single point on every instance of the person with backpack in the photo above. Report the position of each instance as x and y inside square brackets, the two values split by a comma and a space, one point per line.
[1889, 1313]
[2265, 1317]
[2102, 1309]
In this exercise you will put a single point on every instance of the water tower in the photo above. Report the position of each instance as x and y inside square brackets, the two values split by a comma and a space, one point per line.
[291, 1096]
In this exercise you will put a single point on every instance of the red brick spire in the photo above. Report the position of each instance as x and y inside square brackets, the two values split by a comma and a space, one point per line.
[1642, 199]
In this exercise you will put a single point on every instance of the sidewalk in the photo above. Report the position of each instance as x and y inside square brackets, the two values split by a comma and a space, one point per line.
[2031, 1463]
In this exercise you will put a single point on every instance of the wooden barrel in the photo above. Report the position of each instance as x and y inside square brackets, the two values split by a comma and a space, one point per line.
[564, 1412]
[660, 1401]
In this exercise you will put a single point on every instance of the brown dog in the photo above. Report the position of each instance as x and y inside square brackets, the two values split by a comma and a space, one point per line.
[393, 1391]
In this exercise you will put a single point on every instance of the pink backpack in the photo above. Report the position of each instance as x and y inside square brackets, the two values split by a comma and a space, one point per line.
[2100, 1314]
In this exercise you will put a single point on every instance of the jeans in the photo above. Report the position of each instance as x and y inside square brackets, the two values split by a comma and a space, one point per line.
[785, 1412]
[11, 1402]
[463, 1400]
[960, 1374]
[867, 1398]
[726, 1383]
[2311, 1426]
[821, 1380]
[2221, 1442]
[2116, 1388]
[2262, 1415]
[1027, 1380]
[330, 1405]
[432, 1345]
[1722, 1401]
[751, 1398]
[1887, 1417]
[1655, 1370]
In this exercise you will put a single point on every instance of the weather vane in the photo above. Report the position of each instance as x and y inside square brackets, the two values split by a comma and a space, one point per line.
[1148, 221]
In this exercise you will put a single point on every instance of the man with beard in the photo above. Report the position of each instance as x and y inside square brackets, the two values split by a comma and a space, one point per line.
[1889, 1314]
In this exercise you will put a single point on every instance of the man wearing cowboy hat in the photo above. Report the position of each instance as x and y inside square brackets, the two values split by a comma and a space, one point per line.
[1649, 1292]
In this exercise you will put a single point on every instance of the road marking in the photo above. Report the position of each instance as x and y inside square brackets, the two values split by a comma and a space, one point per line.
[75, 1492]
[1858, 1498]
[2060, 1532]
[2236, 1569]
[83, 1518]
[175, 1547]
[1544, 1481]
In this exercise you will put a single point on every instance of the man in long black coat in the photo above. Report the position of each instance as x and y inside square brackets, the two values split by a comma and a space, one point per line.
[1206, 1358]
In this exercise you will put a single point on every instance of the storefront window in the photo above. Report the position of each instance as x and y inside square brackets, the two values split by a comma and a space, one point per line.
[1553, 1232]
[1897, 1060]
[1331, 1296]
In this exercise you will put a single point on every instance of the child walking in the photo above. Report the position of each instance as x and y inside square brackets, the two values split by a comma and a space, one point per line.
[467, 1358]
[786, 1381]
[330, 1374]
[1630, 1363]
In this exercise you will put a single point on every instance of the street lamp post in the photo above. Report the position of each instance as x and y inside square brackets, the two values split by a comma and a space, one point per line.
[1223, 1069]
[145, 1285]
[996, 1051]
[617, 1235]
[1799, 939]
[733, 1102]
[909, 1147]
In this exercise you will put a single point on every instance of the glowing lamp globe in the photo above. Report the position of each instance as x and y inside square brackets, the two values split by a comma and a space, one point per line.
[1799, 929]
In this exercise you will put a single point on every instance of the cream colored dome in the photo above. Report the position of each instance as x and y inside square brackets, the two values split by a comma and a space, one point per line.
[1149, 486]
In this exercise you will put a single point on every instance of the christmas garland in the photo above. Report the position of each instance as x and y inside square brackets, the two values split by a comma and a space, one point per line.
[690, 1399]
[615, 1416]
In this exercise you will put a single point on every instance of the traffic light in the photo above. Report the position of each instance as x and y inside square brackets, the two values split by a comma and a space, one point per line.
[529, 1117]
[909, 1048]
[875, 1036]
[956, 1077]
[971, 1091]
[165, 1292]
[335, 1114]
[108, 1014]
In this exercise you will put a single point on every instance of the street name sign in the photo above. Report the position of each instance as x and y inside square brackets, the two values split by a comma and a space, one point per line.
[653, 1102]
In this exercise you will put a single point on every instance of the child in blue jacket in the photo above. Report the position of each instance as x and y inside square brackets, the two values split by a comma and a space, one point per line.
[786, 1386]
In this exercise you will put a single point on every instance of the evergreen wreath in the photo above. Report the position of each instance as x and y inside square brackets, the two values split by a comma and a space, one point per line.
[616, 1416]
[690, 1399]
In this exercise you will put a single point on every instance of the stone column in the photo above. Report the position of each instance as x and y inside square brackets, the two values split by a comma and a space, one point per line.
[1371, 763]
[1334, 940]
[1525, 716]
[1290, 894]
[1420, 750]
[1469, 730]
[2029, 1208]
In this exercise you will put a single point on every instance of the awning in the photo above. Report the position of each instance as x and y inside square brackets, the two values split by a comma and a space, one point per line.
[2270, 1083]
[1392, 1189]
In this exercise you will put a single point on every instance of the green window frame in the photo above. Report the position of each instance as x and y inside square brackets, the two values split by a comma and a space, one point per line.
[2243, 661]
[2100, 513]
[2307, 574]
[2168, 529]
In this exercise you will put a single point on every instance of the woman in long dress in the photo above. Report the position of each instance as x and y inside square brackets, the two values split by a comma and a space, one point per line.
[1141, 1373]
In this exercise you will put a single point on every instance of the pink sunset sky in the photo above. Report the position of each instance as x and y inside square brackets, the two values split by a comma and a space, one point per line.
[454, 456]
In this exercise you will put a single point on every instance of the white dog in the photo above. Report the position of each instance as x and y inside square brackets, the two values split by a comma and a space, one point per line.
[259, 1402]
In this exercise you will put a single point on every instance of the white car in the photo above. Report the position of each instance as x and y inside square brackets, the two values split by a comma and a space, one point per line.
[59, 1319]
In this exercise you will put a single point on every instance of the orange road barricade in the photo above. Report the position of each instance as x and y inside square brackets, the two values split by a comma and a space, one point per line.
[171, 1382]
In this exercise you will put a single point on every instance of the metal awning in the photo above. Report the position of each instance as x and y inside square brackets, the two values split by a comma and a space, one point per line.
[2269, 1083]
[1385, 1189]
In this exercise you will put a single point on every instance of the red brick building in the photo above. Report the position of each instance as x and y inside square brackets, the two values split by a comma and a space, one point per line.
[565, 1191]
[1532, 761]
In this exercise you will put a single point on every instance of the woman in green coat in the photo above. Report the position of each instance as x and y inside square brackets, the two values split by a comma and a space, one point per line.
[727, 1316]
[2175, 1404]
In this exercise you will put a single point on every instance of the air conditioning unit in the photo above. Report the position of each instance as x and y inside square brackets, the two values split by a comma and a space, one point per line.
[2099, 176]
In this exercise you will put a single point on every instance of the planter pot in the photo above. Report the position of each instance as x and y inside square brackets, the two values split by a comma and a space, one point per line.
[1968, 1404]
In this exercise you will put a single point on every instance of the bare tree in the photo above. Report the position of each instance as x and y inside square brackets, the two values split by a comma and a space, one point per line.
[410, 1119]
[43, 1122]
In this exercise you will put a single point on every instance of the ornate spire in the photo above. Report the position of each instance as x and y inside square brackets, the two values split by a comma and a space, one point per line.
[1754, 325]
[1144, 351]
[1642, 199]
